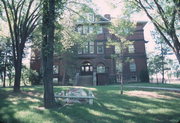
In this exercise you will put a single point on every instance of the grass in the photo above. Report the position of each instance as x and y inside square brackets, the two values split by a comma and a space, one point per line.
[156, 85]
[134, 106]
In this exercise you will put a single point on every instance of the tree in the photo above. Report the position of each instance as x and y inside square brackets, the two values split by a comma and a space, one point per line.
[162, 51]
[155, 65]
[22, 18]
[121, 28]
[48, 27]
[163, 14]
[6, 60]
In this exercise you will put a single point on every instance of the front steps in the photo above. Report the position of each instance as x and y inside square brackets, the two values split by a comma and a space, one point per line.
[85, 80]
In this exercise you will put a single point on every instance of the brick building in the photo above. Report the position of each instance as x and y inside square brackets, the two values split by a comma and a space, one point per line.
[95, 65]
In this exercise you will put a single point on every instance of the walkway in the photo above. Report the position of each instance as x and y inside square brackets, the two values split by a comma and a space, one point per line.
[156, 88]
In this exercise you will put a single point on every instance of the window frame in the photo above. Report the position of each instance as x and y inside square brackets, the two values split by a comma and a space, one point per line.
[131, 48]
[55, 69]
[100, 46]
[132, 66]
[101, 68]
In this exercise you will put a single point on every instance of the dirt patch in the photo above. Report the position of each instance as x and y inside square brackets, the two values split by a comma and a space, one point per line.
[30, 93]
[146, 94]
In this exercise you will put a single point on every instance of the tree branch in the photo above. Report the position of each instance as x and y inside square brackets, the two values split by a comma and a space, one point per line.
[155, 23]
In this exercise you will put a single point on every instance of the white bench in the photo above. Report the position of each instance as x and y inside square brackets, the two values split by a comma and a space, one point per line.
[69, 98]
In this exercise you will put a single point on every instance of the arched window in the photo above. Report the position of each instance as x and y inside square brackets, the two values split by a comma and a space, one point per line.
[100, 68]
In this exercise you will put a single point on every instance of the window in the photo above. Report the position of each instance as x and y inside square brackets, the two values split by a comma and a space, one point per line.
[85, 29]
[118, 65]
[134, 78]
[80, 29]
[99, 30]
[55, 69]
[117, 50]
[100, 48]
[55, 80]
[90, 17]
[131, 48]
[80, 20]
[86, 48]
[91, 29]
[132, 66]
[86, 68]
[100, 68]
[79, 50]
[91, 47]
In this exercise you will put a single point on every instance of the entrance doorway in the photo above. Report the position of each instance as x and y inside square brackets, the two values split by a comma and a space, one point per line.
[86, 69]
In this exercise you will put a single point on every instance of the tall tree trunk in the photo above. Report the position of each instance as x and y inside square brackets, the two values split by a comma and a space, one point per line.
[10, 79]
[5, 70]
[121, 82]
[18, 66]
[64, 78]
[47, 51]
[177, 54]
[4, 77]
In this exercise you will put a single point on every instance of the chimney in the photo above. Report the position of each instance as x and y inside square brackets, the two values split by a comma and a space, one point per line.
[108, 16]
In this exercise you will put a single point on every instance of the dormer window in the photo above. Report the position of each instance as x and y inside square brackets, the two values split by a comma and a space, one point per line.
[91, 29]
[80, 29]
[80, 20]
[85, 29]
[99, 30]
[90, 17]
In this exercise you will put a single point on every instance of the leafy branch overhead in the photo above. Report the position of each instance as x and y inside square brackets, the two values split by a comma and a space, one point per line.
[164, 15]
[23, 17]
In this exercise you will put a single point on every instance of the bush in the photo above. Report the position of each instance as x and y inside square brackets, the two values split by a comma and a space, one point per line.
[112, 79]
[34, 77]
[144, 76]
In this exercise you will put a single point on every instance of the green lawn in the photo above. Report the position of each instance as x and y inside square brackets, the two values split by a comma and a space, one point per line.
[135, 106]
[156, 85]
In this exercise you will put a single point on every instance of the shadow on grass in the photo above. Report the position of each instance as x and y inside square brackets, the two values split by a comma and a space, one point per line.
[109, 107]
[6, 116]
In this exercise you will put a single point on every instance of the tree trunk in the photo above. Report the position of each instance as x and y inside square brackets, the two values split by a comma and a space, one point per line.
[157, 78]
[18, 66]
[47, 52]
[10, 79]
[122, 83]
[5, 70]
[178, 56]
[4, 76]
[64, 77]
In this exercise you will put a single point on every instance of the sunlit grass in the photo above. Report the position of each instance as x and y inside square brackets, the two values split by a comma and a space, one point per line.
[134, 106]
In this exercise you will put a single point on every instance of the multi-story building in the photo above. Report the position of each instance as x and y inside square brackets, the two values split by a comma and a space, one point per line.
[95, 64]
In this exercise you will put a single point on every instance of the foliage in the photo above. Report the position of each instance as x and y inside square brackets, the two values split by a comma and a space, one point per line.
[34, 77]
[121, 29]
[164, 15]
[22, 17]
[144, 76]
[6, 60]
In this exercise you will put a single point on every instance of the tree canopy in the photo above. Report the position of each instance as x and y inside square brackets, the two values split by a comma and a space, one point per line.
[164, 15]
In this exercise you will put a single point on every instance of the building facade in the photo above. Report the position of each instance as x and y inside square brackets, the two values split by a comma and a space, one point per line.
[95, 64]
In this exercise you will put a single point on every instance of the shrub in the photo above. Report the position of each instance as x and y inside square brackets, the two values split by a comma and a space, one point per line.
[34, 77]
[144, 75]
